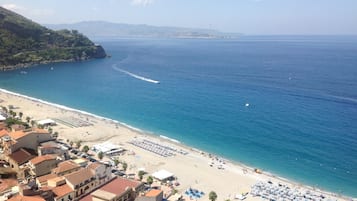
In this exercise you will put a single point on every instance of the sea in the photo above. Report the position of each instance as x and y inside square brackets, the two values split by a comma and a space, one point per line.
[284, 104]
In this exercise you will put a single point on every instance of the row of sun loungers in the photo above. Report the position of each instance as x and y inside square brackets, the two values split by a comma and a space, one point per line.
[279, 192]
[153, 147]
[73, 122]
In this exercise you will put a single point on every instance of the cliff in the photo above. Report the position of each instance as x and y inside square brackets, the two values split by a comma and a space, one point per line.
[24, 42]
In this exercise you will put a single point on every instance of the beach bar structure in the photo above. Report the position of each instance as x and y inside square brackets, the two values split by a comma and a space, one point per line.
[46, 122]
[108, 148]
[2, 118]
[163, 175]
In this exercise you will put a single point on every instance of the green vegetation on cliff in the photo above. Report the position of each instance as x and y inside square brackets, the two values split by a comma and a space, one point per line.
[23, 42]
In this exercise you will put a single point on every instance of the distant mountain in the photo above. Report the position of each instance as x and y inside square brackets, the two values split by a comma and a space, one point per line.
[24, 42]
[108, 29]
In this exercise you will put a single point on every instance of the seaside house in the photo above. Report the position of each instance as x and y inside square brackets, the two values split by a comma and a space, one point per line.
[63, 193]
[42, 165]
[61, 190]
[81, 162]
[51, 147]
[120, 189]
[81, 181]
[18, 159]
[65, 167]
[26, 198]
[12, 141]
[43, 180]
[152, 195]
[102, 172]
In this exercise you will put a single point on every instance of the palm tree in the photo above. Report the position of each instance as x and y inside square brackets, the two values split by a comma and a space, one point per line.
[150, 180]
[116, 162]
[100, 155]
[141, 174]
[78, 143]
[33, 123]
[4, 109]
[125, 166]
[55, 134]
[85, 149]
[21, 114]
[212, 196]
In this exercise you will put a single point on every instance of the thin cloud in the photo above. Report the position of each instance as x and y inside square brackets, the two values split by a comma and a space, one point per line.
[27, 11]
[141, 2]
[13, 7]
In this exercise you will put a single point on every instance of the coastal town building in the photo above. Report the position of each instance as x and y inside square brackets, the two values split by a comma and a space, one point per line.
[119, 189]
[12, 141]
[66, 167]
[152, 195]
[18, 159]
[42, 165]
[102, 172]
[43, 180]
[81, 181]
[51, 147]
[63, 193]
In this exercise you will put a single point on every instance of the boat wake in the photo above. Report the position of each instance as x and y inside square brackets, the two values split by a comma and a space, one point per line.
[135, 76]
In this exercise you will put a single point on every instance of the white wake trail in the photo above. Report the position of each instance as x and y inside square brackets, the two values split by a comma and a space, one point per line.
[136, 76]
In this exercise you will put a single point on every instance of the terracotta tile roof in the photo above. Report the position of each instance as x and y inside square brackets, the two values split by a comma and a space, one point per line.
[3, 132]
[79, 176]
[153, 193]
[58, 180]
[41, 131]
[116, 187]
[65, 166]
[40, 159]
[45, 177]
[119, 185]
[94, 165]
[17, 134]
[61, 191]
[22, 155]
[26, 198]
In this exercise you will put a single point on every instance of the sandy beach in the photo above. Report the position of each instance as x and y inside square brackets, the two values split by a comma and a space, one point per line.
[194, 169]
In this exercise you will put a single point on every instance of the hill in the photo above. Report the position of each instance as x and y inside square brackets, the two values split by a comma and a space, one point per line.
[108, 29]
[24, 42]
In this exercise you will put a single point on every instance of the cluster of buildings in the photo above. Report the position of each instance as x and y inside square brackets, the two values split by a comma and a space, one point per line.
[45, 171]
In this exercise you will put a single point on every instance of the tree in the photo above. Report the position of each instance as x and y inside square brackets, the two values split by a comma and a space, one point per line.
[50, 130]
[125, 166]
[21, 114]
[55, 134]
[28, 119]
[78, 143]
[33, 123]
[4, 109]
[141, 174]
[100, 155]
[116, 162]
[71, 143]
[85, 148]
[212, 196]
[149, 180]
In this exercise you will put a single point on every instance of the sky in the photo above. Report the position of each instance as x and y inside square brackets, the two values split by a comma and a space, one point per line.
[258, 17]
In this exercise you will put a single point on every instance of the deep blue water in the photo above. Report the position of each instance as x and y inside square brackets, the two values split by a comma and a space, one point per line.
[301, 122]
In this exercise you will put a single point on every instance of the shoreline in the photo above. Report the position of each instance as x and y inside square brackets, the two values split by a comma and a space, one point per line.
[236, 166]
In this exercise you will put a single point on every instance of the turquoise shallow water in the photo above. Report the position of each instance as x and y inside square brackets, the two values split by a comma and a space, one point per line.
[301, 91]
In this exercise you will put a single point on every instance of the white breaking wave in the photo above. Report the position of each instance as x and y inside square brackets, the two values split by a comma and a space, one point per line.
[135, 76]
